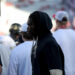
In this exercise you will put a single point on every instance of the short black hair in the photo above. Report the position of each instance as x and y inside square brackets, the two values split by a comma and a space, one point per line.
[41, 19]
[41, 23]
[15, 29]
[27, 36]
[64, 21]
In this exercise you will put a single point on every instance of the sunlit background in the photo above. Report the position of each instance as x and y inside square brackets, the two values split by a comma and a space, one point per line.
[17, 11]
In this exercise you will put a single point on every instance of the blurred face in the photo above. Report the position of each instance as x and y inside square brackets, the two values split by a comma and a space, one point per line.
[31, 28]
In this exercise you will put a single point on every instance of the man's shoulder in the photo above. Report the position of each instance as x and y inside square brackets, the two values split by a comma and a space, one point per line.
[21, 47]
[48, 41]
[59, 31]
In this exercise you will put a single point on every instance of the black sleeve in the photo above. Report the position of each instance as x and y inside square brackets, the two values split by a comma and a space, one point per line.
[0, 62]
[52, 56]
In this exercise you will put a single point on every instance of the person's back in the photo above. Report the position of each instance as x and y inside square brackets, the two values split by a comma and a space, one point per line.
[20, 63]
[6, 45]
[4, 52]
[20, 60]
[47, 56]
[66, 39]
[7, 41]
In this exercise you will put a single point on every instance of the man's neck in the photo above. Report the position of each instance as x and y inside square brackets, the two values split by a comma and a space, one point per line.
[61, 27]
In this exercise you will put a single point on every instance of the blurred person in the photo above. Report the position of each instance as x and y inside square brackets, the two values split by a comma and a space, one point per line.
[22, 31]
[20, 60]
[20, 40]
[72, 15]
[45, 57]
[15, 32]
[66, 39]
[68, 24]
[6, 45]
[7, 41]
[0, 66]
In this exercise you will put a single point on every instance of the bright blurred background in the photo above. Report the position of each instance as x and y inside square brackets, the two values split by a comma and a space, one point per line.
[17, 11]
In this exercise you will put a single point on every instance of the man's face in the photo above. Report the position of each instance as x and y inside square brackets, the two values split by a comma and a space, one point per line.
[31, 28]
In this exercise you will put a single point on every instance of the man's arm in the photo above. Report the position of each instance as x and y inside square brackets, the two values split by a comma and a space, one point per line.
[53, 59]
[56, 72]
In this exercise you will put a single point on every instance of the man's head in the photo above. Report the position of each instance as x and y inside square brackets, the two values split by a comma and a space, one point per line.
[39, 23]
[62, 18]
[24, 34]
[14, 30]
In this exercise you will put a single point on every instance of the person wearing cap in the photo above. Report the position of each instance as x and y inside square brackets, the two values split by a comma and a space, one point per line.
[66, 39]
[20, 61]
[45, 57]
[62, 18]
[15, 32]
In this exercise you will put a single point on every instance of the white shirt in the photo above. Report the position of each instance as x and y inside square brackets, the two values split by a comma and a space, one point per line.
[66, 40]
[8, 41]
[6, 45]
[20, 60]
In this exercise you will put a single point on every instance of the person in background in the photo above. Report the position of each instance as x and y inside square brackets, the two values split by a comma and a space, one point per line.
[46, 58]
[6, 46]
[66, 39]
[20, 59]
[15, 32]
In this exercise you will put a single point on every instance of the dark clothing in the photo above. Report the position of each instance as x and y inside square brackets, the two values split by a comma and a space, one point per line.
[46, 56]
[20, 40]
[46, 53]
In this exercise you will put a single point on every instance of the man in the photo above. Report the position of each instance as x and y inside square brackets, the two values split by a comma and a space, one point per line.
[6, 46]
[46, 59]
[66, 39]
[20, 61]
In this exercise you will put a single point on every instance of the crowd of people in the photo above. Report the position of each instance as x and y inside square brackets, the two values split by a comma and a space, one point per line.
[33, 49]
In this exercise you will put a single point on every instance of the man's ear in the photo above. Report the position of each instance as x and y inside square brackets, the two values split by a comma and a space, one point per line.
[68, 24]
[56, 20]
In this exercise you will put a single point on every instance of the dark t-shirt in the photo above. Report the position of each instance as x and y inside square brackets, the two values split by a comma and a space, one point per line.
[46, 56]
